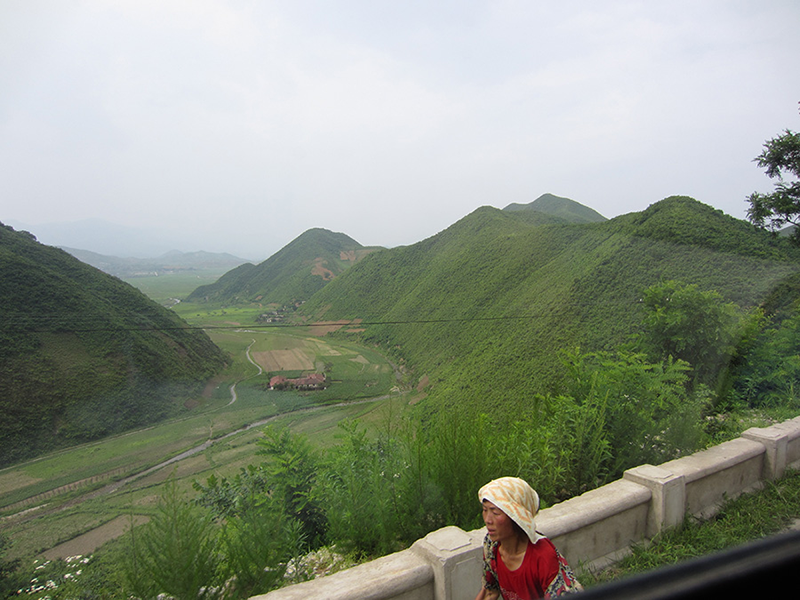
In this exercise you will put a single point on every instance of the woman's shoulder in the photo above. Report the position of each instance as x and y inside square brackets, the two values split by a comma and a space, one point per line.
[543, 551]
[543, 544]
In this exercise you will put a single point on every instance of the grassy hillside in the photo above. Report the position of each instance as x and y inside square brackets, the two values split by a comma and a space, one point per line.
[83, 354]
[484, 308]
[291, 275]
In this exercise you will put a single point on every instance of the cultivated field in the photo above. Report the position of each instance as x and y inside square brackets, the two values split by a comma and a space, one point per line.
[164, 288]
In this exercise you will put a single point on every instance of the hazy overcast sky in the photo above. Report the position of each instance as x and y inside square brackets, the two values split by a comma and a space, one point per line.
[237, 125]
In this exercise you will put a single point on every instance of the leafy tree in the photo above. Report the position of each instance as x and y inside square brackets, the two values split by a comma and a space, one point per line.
[643, 408]
[188, 552]
[780, 158]
[462, 460]
[232, 497]
[292, 470]
[358, 496]
[769, 375]
[176, 553]
[258, 543]
[691, 325]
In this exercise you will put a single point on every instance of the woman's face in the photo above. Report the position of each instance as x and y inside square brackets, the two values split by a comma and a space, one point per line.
[498, 524]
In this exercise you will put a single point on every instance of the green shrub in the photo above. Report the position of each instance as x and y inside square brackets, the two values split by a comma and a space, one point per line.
[258, 544]
[176, 553]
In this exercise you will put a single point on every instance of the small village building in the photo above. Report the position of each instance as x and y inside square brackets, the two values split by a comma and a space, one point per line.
[314, 381]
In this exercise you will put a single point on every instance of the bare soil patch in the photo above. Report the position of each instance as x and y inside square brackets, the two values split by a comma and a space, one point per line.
[423, 383]
[320, 269]
[325, 327]
[266, 360]
[211, 386]
[294, 359]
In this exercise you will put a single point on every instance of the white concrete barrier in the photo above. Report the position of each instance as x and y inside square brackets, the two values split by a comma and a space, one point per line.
[400, 576]
[591, 530]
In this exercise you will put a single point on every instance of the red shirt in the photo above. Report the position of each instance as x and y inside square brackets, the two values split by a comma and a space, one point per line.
[538, 569]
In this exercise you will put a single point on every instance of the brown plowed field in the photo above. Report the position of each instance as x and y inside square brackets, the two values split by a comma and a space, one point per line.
[284, 360]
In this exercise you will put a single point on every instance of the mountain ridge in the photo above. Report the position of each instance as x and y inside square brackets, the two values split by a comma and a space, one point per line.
[494, 296]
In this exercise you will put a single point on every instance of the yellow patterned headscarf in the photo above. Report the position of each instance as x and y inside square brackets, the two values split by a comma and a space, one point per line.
[517, 499]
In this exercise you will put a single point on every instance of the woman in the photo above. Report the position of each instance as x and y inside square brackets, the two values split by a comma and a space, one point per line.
[519, 562]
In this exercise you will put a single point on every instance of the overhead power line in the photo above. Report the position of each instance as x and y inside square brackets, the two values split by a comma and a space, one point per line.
[44, 323]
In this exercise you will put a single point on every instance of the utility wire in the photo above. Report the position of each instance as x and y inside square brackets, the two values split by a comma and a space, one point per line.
[39, 324]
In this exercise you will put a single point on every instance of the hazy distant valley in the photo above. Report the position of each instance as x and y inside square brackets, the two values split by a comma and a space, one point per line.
[171, 263]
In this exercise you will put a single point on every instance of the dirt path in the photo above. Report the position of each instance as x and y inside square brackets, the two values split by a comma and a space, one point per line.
[255, 364]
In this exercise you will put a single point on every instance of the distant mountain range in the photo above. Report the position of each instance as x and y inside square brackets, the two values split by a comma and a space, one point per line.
[101, 237]
[112, 239]
[171, 262]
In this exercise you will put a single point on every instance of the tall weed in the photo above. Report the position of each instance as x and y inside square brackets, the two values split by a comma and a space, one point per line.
[363, 495]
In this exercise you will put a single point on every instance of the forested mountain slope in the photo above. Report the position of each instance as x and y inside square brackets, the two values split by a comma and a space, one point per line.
[83, 354]
[291, 275]
[484, 307]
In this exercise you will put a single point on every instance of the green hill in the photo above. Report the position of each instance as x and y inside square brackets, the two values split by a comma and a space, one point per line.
[83, 354]
[562, 208]
[291, 275]
[484, 307]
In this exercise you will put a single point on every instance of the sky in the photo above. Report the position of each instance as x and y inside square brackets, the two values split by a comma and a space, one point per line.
[236, 125]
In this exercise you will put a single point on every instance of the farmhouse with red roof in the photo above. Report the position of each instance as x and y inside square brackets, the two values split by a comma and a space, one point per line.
[315, 381]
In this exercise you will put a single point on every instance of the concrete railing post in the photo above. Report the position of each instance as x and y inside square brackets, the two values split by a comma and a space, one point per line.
[668, 499]
[456, 558]
[776, 443]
